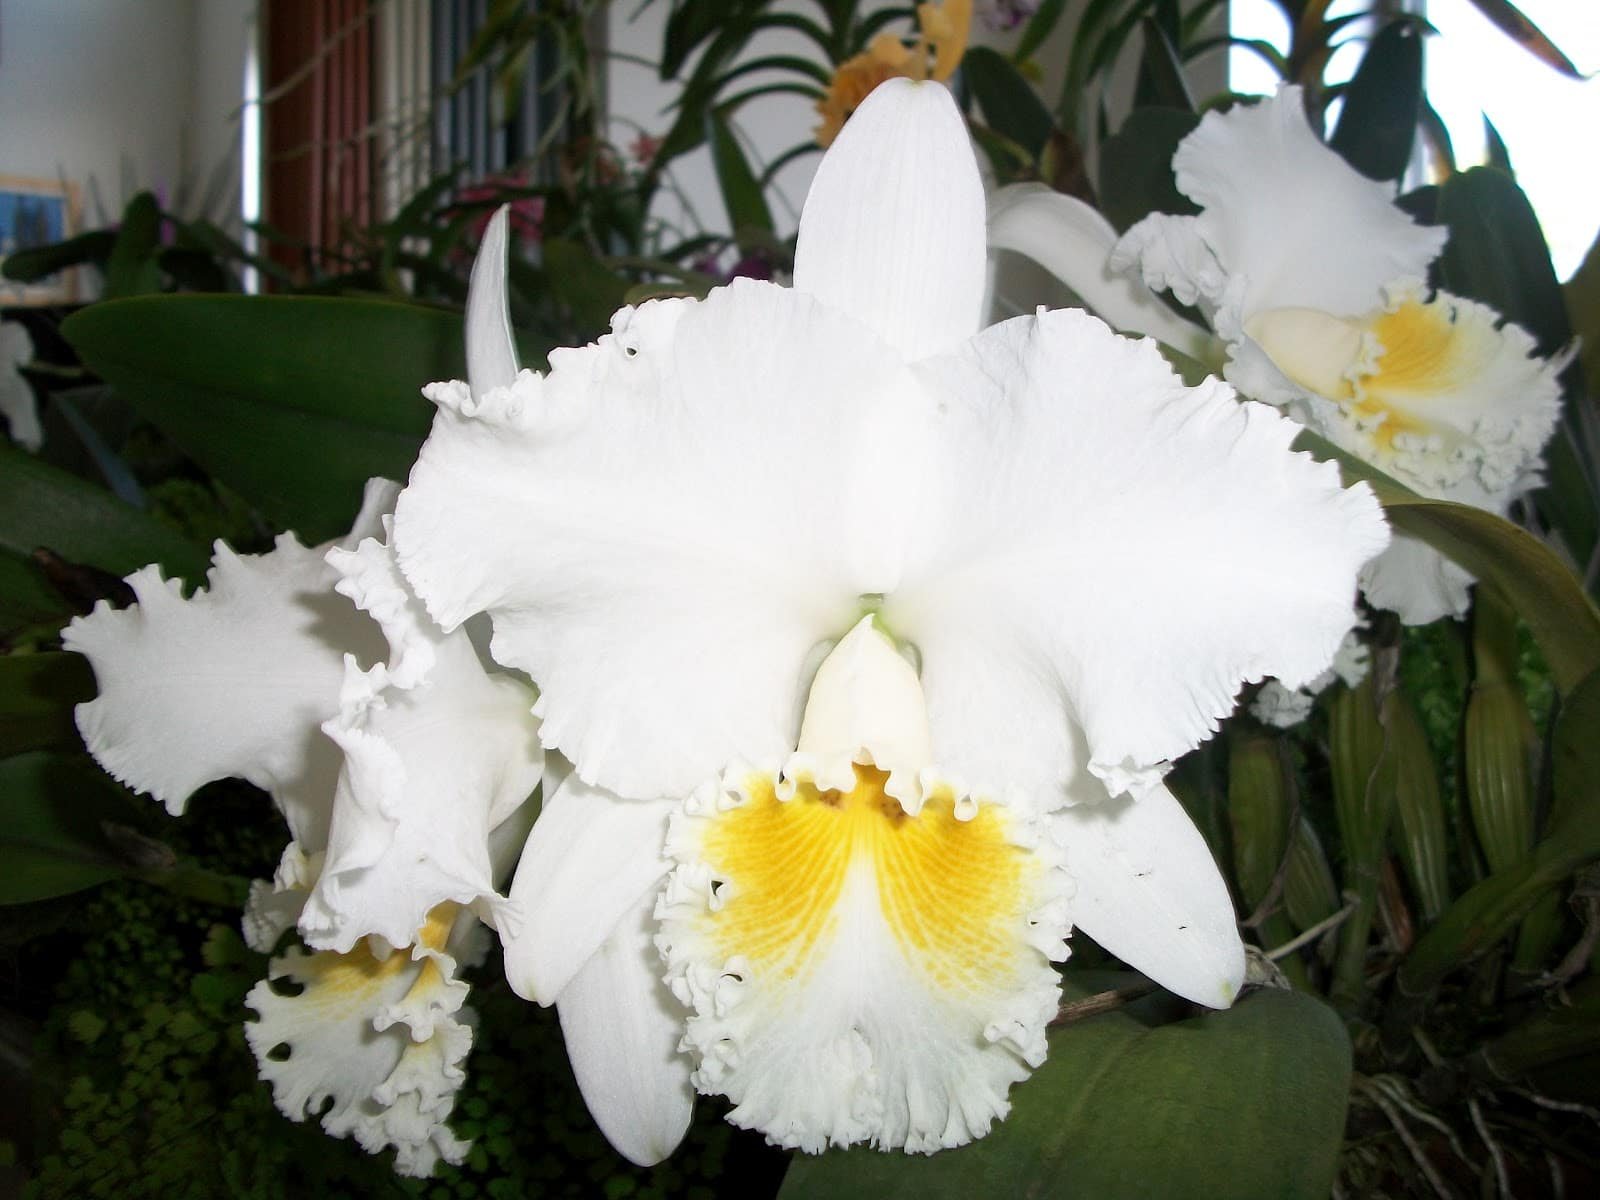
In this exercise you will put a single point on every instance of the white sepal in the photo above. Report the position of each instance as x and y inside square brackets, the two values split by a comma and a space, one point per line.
[892, 229]
[491, 349]
[622, 1027]
[1150, 892]
[1073, 242]
[589, 857]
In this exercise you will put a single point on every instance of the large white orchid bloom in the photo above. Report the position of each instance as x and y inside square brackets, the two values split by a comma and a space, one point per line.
[1313, 277]
[868, 636]
[391, 779]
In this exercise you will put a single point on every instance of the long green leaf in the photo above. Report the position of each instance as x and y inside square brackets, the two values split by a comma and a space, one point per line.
[1010, 105]
[1236, 1105]
[40, 262]
[294, 402]
[1039, 27]
[741, 191]
[132, 269]
[43, 506]
[1136, 166]
[37, 695]
[1539, 585]
[1527, 35]
[1378, 123]
[51, 836]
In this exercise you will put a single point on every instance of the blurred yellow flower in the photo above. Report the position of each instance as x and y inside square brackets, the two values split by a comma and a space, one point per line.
[940, 44]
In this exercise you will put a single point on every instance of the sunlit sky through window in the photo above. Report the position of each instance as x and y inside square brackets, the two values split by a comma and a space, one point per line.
[1550, 123]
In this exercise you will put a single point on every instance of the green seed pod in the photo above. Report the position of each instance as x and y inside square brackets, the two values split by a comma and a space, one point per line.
[1309, 892]
[1258, 812]
[1363, 778]
[1420, 835]
[1499, 746]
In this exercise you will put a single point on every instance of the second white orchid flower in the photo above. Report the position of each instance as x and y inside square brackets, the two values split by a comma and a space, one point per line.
[869, 636]
[1314, 281]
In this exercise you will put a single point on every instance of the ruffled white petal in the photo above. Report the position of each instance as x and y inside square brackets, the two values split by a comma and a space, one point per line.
[272, 909]
[17, 403]
[432, 763]
[622, 1027]
[589, 858]
[857, 973]
[371, 1042]
[1415, 581]
[235, 680]
[1285, 221]
[892, 229]
[491, 350]
[1073, 242]
[1112, 550]
[1149, 891]
[665, 526]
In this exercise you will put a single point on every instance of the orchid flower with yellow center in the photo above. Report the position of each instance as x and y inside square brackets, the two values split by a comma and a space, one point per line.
[403, 784]
[941, 42]
[1311, 278]
[868, 635]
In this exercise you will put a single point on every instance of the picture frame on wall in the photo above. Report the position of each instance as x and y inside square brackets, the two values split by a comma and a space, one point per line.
[37, 212]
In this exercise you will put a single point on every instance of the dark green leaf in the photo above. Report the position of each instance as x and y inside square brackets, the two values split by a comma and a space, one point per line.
[51, 836]
[43, 506]
[37, 695]
[1497, 254]
[1161, 83]
[1527, 35]
[583, 283]
[1539, 585]
[1039, 27]
[1378, 123]
[294, 402]
[132, 269]
[741, 191]
[195, 270]
[1235, 1105]
[40, 262]
[1136, 166]
[1495, 148]
[1010, 105]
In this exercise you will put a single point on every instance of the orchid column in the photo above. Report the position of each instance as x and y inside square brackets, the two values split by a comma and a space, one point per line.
[869, 636]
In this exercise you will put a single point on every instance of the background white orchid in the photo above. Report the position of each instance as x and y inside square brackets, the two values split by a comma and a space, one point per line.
[402, 785]
[674, 526]
[1311, 277]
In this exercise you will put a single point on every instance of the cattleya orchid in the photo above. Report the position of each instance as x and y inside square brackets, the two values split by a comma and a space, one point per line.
[1312, 279]
[866, 637]
[403, 786]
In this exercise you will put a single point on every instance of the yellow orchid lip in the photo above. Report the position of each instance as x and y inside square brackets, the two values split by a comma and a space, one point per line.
[946, 887]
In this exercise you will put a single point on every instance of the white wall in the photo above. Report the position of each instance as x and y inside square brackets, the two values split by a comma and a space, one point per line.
[94, 91]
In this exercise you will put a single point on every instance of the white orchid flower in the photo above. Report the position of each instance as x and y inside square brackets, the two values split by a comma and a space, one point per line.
[17, 404]
[868, 636]
[1312, 276]
[391, 779]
